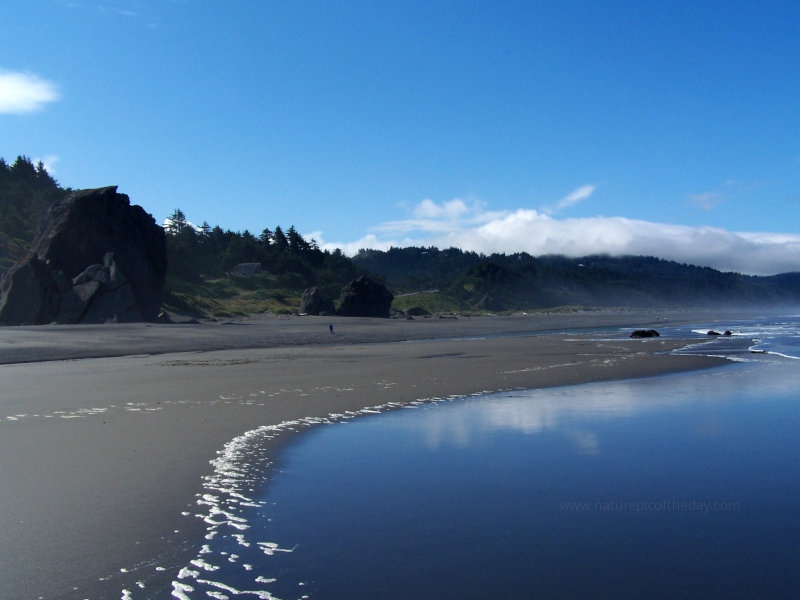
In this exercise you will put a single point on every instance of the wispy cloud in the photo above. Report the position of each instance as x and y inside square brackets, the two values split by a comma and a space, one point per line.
[22, 92]
[136, 11]
[430, 217]
[579, 195]
[707, 200]
[528, 230]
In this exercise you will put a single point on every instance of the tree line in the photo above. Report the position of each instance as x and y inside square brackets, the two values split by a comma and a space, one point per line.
[26, 191]
[471, 280]
[520, 281]
[198, 252]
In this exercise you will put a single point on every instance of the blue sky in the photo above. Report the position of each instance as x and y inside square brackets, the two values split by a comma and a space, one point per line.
[570, 127]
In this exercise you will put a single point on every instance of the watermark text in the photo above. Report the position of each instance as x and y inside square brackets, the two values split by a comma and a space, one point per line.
[638, 507]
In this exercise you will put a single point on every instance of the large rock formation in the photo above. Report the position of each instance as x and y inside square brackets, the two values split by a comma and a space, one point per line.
[314, 302]
[95, 259]
[363, 297]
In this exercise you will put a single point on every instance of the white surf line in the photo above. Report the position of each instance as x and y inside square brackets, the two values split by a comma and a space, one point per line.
[62, 414]
[773, 353]
[238, 472]
[151, 407]
[542, 368]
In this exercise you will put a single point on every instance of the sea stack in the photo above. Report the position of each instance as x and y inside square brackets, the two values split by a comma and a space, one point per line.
[95, 259]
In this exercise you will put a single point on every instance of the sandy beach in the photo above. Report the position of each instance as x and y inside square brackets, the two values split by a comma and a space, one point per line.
[106, 432]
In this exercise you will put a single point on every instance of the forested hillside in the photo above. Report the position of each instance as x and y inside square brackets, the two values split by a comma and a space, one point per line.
[500, 282]
[26, 191]
[202, 278]
[203, 261]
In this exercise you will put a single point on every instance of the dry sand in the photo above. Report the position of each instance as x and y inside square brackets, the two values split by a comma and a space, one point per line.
[100, 456]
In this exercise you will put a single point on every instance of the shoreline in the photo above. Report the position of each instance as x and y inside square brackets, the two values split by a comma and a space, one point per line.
[108, 455]
[42, 343]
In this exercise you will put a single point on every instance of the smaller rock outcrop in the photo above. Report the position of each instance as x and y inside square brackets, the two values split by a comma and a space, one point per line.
[103, 295]
[363, 297]
[645, 333]
[314, 302]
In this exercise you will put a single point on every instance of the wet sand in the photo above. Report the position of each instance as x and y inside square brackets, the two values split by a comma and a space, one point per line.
[100, 456]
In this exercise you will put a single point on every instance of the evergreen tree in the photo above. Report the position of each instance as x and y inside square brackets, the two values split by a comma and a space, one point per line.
[297, 245]
[177, 222]
[182, 247]
[26, 192]
[279, 240]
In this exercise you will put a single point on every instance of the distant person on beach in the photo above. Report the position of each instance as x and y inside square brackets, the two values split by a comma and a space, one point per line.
[330, 328]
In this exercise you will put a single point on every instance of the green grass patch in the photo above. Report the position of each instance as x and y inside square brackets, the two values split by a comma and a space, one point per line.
[434, 302]
[230, 297]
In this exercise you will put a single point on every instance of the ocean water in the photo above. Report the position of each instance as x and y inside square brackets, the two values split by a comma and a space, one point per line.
[682, 486]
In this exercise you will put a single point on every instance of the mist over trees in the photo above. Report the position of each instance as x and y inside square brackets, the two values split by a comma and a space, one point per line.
[500, 282]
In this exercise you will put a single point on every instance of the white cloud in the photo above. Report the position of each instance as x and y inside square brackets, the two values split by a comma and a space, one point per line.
[428, 209]
[708, 200]
[579, 195]
[527, 230]
[49, 162]
[168, 223]
[430, 217]
[24, 92]
[582, 193]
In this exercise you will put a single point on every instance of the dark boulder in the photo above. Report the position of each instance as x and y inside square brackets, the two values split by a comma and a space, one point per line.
[712, 332]
[95, 259]
[645, 333]
[314, 302]
[418, 311]
[30, 294]
[363, 297]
